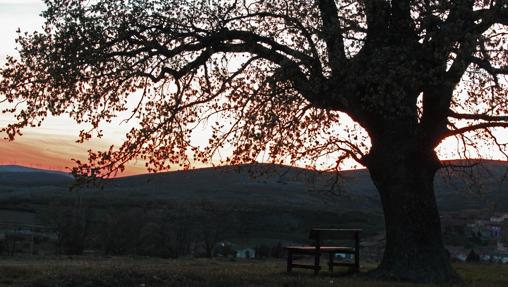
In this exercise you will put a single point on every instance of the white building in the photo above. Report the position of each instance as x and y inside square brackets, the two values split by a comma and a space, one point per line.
[498, 219]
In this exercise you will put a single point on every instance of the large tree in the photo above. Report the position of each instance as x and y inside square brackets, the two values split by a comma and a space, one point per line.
[280, 80]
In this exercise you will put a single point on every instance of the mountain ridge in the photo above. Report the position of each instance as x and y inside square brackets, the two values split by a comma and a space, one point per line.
[269, 185]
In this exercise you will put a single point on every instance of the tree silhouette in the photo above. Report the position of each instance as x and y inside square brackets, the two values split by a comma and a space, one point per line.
[280, 79]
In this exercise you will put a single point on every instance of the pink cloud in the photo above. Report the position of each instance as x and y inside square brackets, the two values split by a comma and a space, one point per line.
[51, 152]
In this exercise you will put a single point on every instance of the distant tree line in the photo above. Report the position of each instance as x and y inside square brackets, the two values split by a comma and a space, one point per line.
[192, 229]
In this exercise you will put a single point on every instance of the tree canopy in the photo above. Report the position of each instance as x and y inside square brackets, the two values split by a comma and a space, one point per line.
[279, 72]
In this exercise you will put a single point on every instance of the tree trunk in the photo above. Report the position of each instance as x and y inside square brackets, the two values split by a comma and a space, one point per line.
[403, 174]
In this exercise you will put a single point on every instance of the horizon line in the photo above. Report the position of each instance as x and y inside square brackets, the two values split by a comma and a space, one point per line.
[127, 174]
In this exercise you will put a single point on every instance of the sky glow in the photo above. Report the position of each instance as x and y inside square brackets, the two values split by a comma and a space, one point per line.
[52, 145]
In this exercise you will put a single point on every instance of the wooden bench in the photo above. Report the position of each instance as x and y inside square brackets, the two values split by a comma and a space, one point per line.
[320, 237]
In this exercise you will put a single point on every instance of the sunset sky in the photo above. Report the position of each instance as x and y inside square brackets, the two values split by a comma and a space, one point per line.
[53, 145]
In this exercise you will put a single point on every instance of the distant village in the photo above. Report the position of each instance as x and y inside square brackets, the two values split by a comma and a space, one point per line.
[471, 235]
[475, 235]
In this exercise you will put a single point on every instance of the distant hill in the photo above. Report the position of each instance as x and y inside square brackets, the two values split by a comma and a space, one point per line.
[262, 185]
[486, 182]
[457, 187]
[24, 169]
[20, 176]
[473, 185]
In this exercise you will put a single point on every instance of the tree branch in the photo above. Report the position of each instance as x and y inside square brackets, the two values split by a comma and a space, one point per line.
[377, 19]
[291, 21]
[482, 117]
[333, 34]
[452, 31]
[498, 14]
[400, 20]
[487, 66]
[309, 88]
[475, 127]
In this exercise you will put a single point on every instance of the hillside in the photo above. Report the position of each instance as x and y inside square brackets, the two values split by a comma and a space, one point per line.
[280, 186]
[21, 177]
[269, 200]
[264, 185]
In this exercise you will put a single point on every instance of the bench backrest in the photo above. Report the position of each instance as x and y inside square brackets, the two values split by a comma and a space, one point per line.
[321, 234]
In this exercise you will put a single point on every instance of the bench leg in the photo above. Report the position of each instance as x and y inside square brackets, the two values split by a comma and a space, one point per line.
[356, 269]
[330, 262]
[290, 261]
[316, 264]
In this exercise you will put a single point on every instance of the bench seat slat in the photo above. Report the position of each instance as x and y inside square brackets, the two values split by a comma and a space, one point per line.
[326, 249]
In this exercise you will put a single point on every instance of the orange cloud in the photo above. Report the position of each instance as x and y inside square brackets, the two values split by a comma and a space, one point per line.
[51, 152]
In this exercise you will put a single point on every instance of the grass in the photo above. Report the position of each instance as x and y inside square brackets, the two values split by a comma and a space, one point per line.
[149, 272]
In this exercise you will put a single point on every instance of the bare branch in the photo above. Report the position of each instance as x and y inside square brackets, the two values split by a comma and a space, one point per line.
[483, 117]
[471, 128]
[291, 21]
[487, 66]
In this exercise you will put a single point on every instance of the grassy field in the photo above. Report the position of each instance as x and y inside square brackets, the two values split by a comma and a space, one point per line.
[144, 272]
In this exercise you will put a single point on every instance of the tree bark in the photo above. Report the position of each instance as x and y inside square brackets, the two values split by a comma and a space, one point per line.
[403, 173]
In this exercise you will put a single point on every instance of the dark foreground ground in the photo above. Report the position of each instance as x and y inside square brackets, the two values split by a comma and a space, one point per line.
[144, 272]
